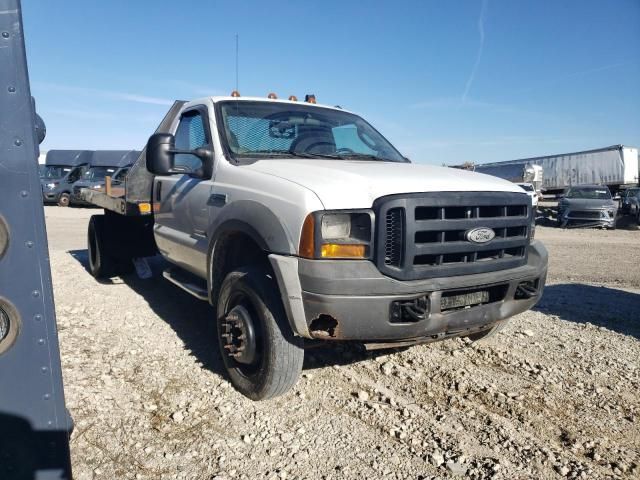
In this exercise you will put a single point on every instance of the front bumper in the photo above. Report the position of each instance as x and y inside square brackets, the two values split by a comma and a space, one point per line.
[50, 196]
[588, 218]
[352, 300]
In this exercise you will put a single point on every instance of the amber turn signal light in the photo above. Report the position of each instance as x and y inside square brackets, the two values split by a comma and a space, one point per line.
[307, 238]
[337, 250]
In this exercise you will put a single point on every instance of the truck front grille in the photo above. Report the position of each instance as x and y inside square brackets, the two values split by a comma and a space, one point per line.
[425, 235]
[595, 214]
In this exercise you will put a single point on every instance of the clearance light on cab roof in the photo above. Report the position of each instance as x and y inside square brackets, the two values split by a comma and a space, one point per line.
[235, 94]
[293, 98]
[272, 96]
[310, 98]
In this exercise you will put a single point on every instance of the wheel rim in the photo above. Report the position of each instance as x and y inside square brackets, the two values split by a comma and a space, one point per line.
[64, 200]
[240, 336]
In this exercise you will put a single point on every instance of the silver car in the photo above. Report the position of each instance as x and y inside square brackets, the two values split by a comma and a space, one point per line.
[587, 206]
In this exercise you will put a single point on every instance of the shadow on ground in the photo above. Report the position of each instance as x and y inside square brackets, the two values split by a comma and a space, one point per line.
[614, 309]
[190, 318]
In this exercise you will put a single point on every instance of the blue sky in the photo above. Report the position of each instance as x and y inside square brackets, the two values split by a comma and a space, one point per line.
[445, 81]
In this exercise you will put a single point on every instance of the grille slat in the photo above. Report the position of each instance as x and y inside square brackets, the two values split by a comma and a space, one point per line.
[464, 223]
[394, 232]
[424, 235]
[468, 247]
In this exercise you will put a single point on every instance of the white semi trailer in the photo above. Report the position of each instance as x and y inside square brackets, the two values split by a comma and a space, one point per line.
[615, 166]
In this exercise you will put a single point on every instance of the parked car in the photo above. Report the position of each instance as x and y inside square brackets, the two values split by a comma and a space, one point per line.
[587, 206]
[629, 201]
[531, 191]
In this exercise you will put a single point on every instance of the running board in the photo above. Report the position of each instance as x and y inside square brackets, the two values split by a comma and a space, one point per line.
[187, 282]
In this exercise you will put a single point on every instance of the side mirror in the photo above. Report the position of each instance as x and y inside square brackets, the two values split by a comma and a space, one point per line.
[41, 129]
[160, 156]
[160, 153]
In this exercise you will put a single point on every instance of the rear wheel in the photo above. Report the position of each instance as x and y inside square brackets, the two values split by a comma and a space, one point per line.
[63, 201]
[101, 264]
[260, 353]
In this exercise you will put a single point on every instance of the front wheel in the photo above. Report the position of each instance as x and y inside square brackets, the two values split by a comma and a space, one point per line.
[260, 353]
[64, 199]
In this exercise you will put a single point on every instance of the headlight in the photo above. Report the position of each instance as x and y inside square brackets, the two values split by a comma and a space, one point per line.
[96, 187]
[51, 185]
[337, 235]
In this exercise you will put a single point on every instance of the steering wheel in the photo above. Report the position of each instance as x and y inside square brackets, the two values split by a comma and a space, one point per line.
[344, 150]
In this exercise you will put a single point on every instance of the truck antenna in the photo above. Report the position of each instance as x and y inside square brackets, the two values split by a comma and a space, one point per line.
[237, 62]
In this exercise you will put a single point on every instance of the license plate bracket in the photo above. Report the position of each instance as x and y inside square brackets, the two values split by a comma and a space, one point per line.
[461, 300]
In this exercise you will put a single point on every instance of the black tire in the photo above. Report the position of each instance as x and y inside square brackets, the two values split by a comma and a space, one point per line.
[101, 264]
[487, 334]
[64, 200]
[278, 353]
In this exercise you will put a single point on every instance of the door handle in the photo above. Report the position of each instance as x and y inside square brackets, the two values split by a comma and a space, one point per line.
[159, 192]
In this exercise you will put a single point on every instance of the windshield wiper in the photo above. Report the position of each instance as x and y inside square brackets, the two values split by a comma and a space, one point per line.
[364, 156]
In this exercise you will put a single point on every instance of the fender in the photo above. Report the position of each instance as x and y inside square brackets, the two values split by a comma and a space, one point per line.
[254, 220]
[257, 221]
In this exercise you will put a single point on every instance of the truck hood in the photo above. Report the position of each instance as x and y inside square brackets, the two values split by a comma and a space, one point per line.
[356, 184]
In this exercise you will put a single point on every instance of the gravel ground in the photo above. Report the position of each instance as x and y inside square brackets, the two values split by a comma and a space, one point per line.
[554, 395]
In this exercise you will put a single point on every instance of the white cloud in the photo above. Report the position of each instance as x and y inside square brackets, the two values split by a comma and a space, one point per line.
[472, 76]
[86, 91]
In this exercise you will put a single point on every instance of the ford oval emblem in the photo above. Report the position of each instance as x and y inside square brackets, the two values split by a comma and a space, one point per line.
[480, 235]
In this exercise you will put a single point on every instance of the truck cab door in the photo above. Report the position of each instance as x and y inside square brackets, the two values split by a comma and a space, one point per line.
[183, 216]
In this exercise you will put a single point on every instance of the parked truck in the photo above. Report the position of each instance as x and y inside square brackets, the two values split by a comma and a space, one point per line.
[300, 223]
[103, 164]
[61, 170]
[616, 167]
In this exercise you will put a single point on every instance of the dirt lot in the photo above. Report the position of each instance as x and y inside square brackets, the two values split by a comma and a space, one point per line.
[555, 395]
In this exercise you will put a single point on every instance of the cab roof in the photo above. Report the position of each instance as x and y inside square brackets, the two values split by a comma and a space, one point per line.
[216, 99]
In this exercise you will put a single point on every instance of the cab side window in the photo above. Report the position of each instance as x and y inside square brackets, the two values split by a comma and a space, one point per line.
[189, 136]
[74, 176]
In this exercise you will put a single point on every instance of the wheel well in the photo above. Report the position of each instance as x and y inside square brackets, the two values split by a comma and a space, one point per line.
[230, 251]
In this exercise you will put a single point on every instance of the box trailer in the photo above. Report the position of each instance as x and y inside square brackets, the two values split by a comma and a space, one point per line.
[615, 166]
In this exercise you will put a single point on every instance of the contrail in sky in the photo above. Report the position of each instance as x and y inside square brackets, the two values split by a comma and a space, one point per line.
[483, 9]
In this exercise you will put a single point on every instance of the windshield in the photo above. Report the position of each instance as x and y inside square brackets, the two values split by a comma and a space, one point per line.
[54, 172]
[272, 129]
[590, 193]
[526, 187]
[98, 173]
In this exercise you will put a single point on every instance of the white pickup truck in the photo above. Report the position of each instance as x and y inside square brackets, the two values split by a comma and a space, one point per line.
[301, 223]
